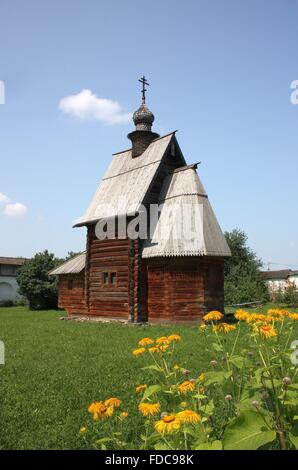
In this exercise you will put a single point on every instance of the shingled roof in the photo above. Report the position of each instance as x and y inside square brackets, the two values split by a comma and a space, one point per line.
[279, 274]
[74, 265]
[12, 261]
[126, 182]
[183, 191]
[124, 188]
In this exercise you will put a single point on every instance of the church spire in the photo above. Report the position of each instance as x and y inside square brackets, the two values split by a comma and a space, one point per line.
[143, 119]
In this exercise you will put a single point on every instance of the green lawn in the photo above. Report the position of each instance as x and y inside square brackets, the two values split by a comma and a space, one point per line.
[54, 369]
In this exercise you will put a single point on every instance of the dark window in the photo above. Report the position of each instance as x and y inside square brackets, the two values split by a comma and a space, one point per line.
[105, 278]
[70, 284]
[113, 278]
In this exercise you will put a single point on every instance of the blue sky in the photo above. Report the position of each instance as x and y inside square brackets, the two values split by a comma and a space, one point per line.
[220, 72]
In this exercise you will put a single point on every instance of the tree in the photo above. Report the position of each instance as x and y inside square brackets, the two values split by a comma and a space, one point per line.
[35, 284]
[243, 277]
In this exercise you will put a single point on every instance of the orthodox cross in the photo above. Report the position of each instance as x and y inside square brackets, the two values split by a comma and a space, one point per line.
[144, 82]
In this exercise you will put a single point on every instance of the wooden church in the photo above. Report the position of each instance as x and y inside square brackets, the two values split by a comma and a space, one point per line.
[167, 276]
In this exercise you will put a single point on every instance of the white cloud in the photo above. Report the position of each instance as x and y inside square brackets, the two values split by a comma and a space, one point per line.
[15, 210]
[4, 199]
[87, 106]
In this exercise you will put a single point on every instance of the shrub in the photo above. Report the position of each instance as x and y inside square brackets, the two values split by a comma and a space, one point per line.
[35, 284]
[287, 296]
[243, 278]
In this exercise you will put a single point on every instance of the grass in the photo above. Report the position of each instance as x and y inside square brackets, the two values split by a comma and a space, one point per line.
[54, 369]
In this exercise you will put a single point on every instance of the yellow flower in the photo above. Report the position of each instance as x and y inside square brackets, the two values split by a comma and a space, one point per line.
[256, 317]
[241, 315]
[183, 404]
[266, 331]
[293, 316]
[83, 429]
[202, 377]
[138, 352]
[115, 402]
[276, 312]
[162, 340]
[214, 315]
[189, 416]
[158, 349]
[149, 409]
[186, 386]
[177, 367]
[162, 347]
[224, 327]
[141, 388]
[269, 319]
[203, 326]
[167, 424]
[100, 410]
[174, 337]
[124, 414]
[145, 342]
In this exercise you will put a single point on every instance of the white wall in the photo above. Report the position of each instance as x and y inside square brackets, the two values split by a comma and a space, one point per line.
[294, 279]
[8, 288]
[276, 284]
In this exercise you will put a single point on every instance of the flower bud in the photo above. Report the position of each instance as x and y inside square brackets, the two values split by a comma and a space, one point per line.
[228, 397]
[286, 381]
[255, 403]
[185, 372]
[264, 395]
[213, 362]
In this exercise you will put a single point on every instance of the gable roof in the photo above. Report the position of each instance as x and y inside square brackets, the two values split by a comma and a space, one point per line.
[12, 261]
[183, 194]
[126, 182]
[74, 265]
[278, 275]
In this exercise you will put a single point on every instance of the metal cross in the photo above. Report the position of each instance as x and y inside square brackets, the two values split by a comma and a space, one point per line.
[144, 82]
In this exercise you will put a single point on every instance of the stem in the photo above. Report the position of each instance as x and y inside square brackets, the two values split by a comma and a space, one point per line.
[236, 340]
[185, 440]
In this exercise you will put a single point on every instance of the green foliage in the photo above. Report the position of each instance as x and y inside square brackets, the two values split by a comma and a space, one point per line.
[35, 284]
[47, 384]
[287, 296]
[245, 399]
[243, 277]
[247, 431]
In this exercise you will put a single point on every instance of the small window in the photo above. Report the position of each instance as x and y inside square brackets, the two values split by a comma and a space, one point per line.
[105, 278]
[114, 278]
[70, 284]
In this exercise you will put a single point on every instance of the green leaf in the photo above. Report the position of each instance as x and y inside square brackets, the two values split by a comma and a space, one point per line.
[247, 432]
[215, 445]
[239, 362]
[217, 347]
[209, 408]
[150, 391]
[293, 435]
[152, 367]
[217, 377]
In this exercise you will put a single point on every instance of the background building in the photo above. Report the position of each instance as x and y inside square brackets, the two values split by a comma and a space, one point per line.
[8, 282]
[279, 280]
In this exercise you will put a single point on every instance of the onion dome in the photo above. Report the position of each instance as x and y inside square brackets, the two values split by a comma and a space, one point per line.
[143, 118]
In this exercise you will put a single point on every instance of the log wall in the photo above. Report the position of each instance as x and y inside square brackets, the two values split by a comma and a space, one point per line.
[111, 255]
[72, 300]
[184, 289]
